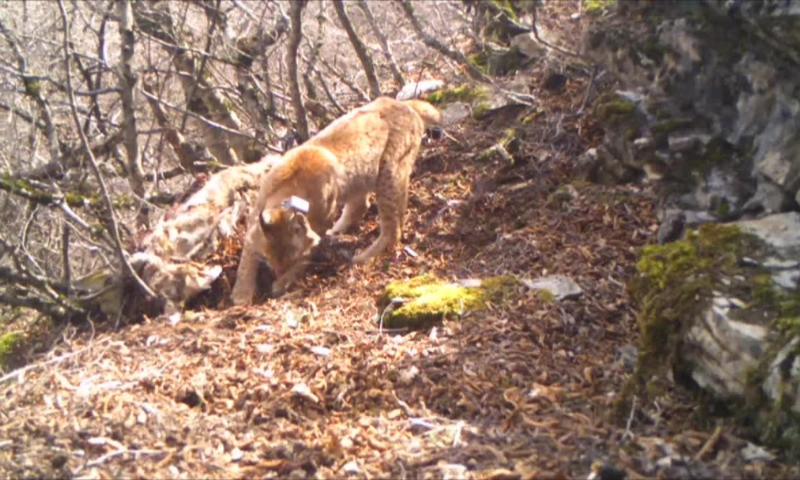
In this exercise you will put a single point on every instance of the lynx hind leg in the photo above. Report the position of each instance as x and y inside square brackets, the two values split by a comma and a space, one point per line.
[391, 210]
[392, 197]
[245, 287]
[353, 212]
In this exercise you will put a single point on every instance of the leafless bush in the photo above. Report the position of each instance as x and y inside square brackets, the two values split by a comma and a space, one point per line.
[113, 108]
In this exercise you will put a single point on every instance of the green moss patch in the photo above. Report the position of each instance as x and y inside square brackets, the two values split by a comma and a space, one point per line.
[463, 93]
[669, 125]
[10, 343]
[615, 110]
[674, 284]
[421, 301]
[594, 7]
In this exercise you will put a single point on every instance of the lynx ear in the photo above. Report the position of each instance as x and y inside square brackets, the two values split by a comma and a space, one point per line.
[267, 221]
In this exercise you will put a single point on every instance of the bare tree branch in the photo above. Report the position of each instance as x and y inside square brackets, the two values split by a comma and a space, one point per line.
[384, 42]
[127, 86]
[361, 50]
[205, 120]
[296, 14]
[113, 226]
[432, 42]
[342, 78]
[33, 89]
[189, 154]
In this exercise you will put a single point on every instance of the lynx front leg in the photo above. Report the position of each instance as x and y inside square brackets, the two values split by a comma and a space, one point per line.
[353, 211]
[245, 288]
[282, 283]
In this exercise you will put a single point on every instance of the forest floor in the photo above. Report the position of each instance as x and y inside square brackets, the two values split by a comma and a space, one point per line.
[306, 386]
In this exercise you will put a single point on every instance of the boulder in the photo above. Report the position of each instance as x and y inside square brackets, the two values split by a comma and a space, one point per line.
[560, 287]
[721, 310]
[527, 45]
[422, 301]
[455, 112]
[415, 89]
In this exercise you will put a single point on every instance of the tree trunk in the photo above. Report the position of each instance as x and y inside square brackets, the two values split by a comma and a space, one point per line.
[252, 48]
[201, 99]
[189, 154]
[387, 51]
[291, 63]
[127, 87]
[430, 41]
[360, 48]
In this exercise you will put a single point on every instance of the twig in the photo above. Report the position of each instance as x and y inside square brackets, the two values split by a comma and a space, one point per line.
[595, 70]
[238, 4]
[114, 227]
[457, 434]
[389, 330]
[712, 440]
[548, 44]
[405, 407]
[435, 44]
[103, 458]
[67, 274]
[328, 93]
[360, 93]
[452, 138]
[630, 420]
[522, 98]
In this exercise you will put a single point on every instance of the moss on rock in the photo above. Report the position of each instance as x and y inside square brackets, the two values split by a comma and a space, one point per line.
[421, 301]
[669, 125]
[675, 284]
[10, 344]
[594, 7]
[462, 93]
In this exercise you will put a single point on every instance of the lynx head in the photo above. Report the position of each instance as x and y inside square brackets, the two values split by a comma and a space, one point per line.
[289, 238]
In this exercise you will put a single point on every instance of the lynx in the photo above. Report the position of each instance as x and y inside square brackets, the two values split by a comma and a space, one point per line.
[370, 149]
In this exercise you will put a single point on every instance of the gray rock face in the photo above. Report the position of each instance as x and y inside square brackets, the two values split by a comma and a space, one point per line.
[781, 232]
[455, 112]
[718, 119]
[528, 45]
[415, 89]
[731, 338]
[562, 287]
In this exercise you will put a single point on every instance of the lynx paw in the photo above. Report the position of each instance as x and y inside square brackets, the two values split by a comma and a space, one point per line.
[361, 258]
[241, 299]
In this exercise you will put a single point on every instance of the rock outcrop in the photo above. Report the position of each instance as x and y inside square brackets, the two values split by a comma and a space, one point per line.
[721, 310]
[710, 107]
